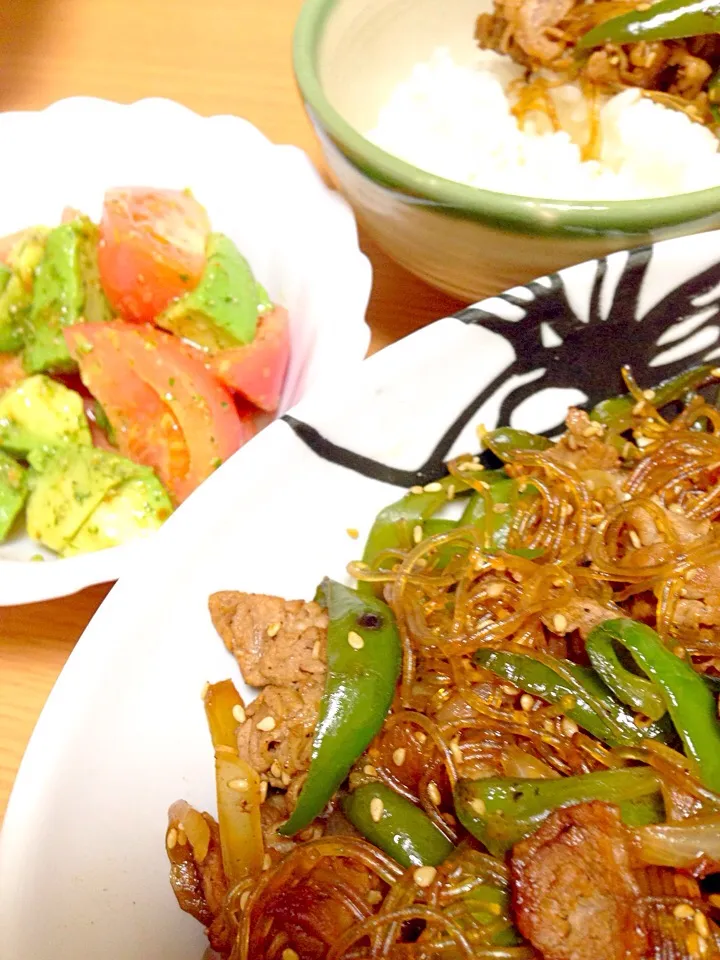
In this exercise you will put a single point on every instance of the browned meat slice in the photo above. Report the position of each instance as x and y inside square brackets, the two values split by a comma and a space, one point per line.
[279, 749]
[521, 28]
[575, 895]
[698, 610]
[583, 446]
[273, 640]
[582, 614]
[197, 876]
[691, 73]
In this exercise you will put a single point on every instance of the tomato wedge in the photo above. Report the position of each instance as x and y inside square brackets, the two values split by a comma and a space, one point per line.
[11, 370]
[151, 250]
[257, 371]
[160, 400]
[144, 427]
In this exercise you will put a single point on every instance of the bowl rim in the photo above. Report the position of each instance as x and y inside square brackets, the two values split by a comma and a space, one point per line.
[545, 216]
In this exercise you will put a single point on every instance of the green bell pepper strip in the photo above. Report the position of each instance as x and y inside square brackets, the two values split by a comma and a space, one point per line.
[663, 20]
[689, 701]
[616, 727]
[505, 442]
[364, 657]
[641, 694]
[393, 526]
[616, 413]
[502, 491]
[407, 835]
[403, 831]
[500, 811]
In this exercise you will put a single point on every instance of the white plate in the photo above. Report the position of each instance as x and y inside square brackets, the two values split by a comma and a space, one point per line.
[299, 236]
[83, 871]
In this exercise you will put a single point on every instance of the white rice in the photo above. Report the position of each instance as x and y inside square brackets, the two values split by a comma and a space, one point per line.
[455, 121]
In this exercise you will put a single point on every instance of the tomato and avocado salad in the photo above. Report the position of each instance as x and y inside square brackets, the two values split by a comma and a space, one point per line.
[135, 357]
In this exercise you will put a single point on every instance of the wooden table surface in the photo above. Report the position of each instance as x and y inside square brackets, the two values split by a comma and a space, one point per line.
[219, 56]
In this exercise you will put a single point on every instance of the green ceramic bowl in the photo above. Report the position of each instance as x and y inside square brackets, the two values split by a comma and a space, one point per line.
[348, 55]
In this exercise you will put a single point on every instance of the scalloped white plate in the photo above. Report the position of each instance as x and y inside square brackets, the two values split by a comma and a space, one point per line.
[299, 236]
[83, 870]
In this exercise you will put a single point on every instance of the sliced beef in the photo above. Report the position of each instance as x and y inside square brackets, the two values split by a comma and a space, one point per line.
[273, 640]
[582, 445]
[574, 893]
[282, 753]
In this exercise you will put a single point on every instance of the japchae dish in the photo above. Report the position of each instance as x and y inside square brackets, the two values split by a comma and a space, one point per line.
[503, 742]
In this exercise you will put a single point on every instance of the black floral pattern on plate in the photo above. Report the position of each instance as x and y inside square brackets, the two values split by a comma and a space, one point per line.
[586, 355]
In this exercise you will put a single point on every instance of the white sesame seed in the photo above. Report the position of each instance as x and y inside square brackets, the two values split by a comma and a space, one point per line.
[509, 689]
[355, 640]
[263, 791]
[374, 897]
[353, 532]
[267, 862]
[527, 702]
[417, 533]
[266, 724]
[275, 770]
[399, 756]
[478, 806]
[649, 394]
[273, 629]
[285, 777]
[416, 489]
[171, 838]
[424, 876]
[240, 786]
[568, 727]
[434, 793]
[369, 770]
[701, 924]
[433, 487]
[420, 736]
[560, 623]
[181, 838]
[376, 809]
[495, 589]
[635, 539]
[683, 911]
[238, 713]
[316, 650]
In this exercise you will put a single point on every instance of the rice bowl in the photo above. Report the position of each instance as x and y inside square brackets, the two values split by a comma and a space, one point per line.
[455, 120]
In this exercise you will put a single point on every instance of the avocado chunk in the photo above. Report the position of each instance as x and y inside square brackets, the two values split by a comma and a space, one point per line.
[67, 291]
[222, 311]
[39, 411]
[96, 308]
[87, 499]
[16, 286]
[13, 493]
[135, 508]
